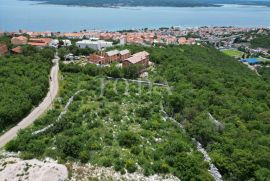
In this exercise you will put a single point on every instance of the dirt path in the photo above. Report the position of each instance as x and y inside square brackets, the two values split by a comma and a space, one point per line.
[38, 111]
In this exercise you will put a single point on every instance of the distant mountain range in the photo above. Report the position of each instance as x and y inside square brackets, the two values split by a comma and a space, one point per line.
[165, 3]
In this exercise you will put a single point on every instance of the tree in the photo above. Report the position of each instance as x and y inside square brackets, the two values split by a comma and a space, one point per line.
[62, 52]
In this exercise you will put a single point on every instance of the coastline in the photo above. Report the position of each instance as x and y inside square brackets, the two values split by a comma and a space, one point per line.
[115, 18]
[42, 2]
[37, 2]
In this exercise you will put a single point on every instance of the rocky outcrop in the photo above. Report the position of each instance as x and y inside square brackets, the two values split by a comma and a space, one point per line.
[15, 169]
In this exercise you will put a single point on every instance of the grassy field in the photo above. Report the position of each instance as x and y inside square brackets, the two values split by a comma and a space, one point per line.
[233, 53]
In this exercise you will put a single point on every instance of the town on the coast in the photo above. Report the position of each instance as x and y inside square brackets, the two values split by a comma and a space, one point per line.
[148, 104]
[234, 41]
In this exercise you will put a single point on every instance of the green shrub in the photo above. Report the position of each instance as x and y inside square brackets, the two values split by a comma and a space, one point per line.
[135, 150]
[27, 155]
[131, 166]
[106, 162]
[119, 165]
[84, 156]
[128, 139]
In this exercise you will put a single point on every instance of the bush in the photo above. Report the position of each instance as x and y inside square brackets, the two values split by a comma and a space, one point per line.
[119, 165]
[131, 166]
[27, 155]
[136, 150]
[128, 139]
[161, 167]
[106, 162]
[84, 156]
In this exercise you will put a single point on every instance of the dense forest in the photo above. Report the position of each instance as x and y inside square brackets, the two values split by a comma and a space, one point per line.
[166, 3]
[265, 73]
[262, 41]
[219, 101]
[24, 82]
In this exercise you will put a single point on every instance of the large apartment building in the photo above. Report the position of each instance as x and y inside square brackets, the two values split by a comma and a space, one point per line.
[109, 57]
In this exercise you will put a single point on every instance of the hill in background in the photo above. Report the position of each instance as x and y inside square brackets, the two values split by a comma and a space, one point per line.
[164, 3]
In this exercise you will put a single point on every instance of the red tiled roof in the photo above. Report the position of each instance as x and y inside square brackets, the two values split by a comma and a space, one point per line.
[17, 49]
[39, 41]
[135, 58]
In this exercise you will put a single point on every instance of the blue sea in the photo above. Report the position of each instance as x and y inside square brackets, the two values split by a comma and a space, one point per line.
[33, 16]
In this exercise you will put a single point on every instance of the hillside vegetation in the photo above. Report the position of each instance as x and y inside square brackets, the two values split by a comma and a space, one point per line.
[24, 81]
[262, 41]
[129, 132]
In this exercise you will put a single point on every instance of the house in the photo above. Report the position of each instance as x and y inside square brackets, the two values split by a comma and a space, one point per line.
[40, 42]
[123, 40]
[54, 43]
[141, 58]
[97, 59]
[21, 40]
[3, 49]
[96, 45]
[112, 56]
[124, 54]
[116, 55]
[109, 57]
[17, 50]
[66, 43]
[182, 40]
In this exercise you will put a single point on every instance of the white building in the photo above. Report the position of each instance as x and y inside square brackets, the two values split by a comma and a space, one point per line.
[96, 45]
[54, 43]
[67, 43]
[123, 40]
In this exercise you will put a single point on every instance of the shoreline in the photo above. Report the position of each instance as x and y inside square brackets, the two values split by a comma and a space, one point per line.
[116, 6]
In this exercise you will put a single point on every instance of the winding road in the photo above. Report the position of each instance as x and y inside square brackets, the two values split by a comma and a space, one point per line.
[38, 111]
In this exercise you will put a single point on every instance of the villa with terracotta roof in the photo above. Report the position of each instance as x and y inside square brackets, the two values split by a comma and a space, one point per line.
[39, 42]
[21, 40]
[140, 58]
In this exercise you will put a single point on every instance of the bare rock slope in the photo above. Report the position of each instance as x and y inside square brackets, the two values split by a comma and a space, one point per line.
[15, 169]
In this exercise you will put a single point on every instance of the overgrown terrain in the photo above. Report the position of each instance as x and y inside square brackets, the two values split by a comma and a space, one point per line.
[123, 128]
[120, 130]
[261, 41]
[24, 81]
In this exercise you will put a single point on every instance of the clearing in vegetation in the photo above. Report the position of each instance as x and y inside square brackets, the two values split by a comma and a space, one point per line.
[233, 53]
